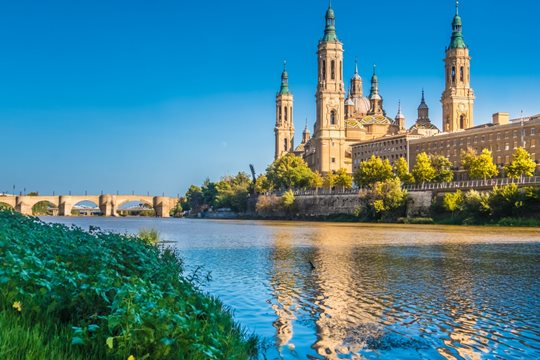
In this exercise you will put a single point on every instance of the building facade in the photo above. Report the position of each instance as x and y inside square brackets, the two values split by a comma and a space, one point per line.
[502, 137]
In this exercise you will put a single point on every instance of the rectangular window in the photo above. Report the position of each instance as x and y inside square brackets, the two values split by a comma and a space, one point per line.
[498, 136]
[507, 147]
[533, 131]
[533, 143]
[333, 160]
[515, 133]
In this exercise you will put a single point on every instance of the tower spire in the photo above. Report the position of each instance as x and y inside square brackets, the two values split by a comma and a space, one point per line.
[284, 80]
[457, 7]
[330, 30]
[355, 66]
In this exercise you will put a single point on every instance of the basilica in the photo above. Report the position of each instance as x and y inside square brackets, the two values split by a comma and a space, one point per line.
[346, 116]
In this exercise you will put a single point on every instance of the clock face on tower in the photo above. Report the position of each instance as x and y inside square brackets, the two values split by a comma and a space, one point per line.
[461, 108]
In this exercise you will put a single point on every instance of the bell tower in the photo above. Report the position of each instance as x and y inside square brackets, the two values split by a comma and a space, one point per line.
[284, 130]
[458, 96]
[329, 135]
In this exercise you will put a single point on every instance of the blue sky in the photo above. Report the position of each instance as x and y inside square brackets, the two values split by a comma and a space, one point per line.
[151, 96]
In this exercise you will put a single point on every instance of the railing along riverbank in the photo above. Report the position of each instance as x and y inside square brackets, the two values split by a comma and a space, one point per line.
[454, 185]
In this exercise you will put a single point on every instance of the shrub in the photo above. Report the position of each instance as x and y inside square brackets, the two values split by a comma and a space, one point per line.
[453, 201]
[269, 205]
[121, 295]
[386, 201]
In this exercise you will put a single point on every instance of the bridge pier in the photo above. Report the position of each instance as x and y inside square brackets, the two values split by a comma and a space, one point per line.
[23, 206]
[107, 205]
[65, 205]
[162, 206]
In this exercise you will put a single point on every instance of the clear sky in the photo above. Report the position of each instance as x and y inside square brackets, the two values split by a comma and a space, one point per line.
[151, 96]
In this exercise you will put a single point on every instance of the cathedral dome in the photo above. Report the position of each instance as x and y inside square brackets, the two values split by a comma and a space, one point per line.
[362, 105]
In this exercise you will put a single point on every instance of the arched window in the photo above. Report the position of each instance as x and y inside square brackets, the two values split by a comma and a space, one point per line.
[333, 117]
[333, 70]
[340, 71]
[462, 122]
[279, 113]
[461, 77]
[324, 69]
[285, 144]
[286, 115]
[453, 74]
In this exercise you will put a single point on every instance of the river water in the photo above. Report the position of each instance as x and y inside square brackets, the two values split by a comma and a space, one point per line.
[353, 291]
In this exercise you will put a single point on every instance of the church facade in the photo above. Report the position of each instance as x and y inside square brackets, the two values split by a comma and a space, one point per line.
[345, 116]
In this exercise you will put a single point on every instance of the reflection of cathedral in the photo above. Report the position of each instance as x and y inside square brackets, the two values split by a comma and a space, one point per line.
[347, 118]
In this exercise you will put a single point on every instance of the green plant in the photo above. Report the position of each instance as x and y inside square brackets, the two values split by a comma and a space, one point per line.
[522, 164]
[373, 170]
[120, 295]
[423, 170]
[149, 236]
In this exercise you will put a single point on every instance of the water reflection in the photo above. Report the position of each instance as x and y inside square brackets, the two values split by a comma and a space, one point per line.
[434, 300]
[385, 292]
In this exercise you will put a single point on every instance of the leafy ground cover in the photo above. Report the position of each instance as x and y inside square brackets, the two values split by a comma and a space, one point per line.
[72, 294]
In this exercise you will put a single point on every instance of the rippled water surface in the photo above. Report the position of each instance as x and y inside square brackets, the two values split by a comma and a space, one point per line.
[332, 291]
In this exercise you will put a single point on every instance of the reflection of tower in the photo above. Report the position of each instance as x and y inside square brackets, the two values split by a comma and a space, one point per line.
[348, 305]
[458, 96]
[284, 130]
[283, 283]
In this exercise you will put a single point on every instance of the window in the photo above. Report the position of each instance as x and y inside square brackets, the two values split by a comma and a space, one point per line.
[499, 159]
[332, 117]
[533, 143]
[462, 122]
[533, 131]
[286, 114]
[515, 133]
[498, 136]
[333, 160]
[461, 74]
[507, 147]
[285, 145]
[324, 69]
[333, 70]
[279, 113]
[453, 74]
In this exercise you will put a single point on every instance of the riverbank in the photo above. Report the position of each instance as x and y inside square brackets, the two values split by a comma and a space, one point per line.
[73, 294]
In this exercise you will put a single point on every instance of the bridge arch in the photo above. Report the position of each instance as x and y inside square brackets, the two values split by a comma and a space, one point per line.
[85, 208]
[44, 207]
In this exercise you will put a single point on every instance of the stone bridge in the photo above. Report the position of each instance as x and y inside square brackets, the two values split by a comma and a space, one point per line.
[108, 204]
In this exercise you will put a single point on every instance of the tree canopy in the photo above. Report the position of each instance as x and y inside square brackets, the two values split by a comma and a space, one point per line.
[443, 168]
[289, 172]
[522, 164]
[401, 169]
[479, 166]
[373, 170]
[342, 179]
[423, 170]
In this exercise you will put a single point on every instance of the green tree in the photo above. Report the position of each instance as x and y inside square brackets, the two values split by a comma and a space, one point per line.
[342, 179]
[317, 181]
[443, 168]
[401, 169]
[479, 166]
[233, 191]
[209, 192]
[423, 171]
[521, 165]
[453, 201]
[373, 170]
[289, 172]
[262, 185]
[385, 200]
[328, 180]
[195, 199]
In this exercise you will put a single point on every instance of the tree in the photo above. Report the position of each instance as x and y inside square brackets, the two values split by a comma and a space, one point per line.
[262, 185]
[453, 201]
[209, 192]
[401, 169]
[385, 200]
[233, 191]
[443, 168]
[329, 180]
[373, 170]
[317, 181]
[479, 166]
[343, 179]
[289, 172]
[423, 171]
[195, 199]
[521, 165]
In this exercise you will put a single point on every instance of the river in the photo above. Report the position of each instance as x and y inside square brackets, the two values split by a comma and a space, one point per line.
[334, 291]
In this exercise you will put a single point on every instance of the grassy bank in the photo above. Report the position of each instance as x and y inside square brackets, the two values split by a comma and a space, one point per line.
[71, 294]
